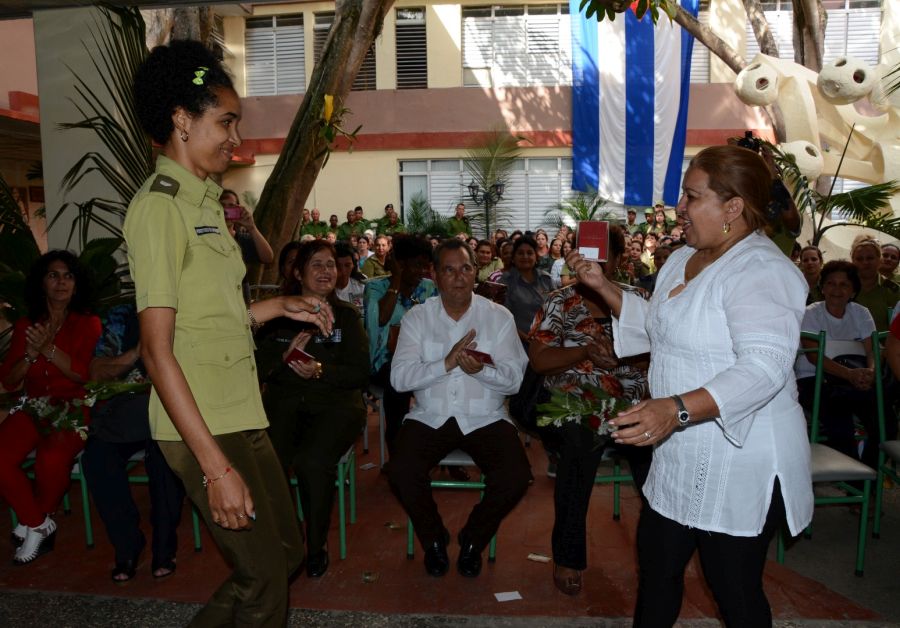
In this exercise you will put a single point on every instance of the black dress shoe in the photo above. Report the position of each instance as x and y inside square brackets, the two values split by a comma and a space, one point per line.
[469, 562]
[317, 564]
[436, 560]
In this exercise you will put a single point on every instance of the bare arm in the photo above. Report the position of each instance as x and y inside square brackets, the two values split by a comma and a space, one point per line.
[892, 353]
[111, 369]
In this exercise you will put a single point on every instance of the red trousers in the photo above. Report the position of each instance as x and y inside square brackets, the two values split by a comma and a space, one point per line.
[56, 452]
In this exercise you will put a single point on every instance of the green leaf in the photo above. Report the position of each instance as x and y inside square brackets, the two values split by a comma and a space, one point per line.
[642, 6]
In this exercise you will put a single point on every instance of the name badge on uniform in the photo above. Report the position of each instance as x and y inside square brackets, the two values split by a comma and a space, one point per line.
[206, 229]
[334, 337]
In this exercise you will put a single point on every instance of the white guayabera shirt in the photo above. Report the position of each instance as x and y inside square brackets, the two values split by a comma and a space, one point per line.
[427, 334]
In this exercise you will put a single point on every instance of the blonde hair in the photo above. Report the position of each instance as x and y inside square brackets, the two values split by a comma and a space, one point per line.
[865, 240]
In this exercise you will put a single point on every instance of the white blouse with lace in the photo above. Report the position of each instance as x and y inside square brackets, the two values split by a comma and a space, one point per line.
[733, 330]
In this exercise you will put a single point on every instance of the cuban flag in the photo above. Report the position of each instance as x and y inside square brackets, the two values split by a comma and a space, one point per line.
[631, 82]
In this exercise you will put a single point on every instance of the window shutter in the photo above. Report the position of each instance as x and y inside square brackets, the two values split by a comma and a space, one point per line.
[700, 55]
[478, 49]
[543, 49]
[274, 61]
[412, 63]
[863, 34]
[510, 63]
[781, 24]
[365, 79]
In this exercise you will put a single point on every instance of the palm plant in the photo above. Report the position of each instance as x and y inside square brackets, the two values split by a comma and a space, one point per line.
[863, 206]
[116, 51]
[489, 162]
[421, 218]
[579, 208]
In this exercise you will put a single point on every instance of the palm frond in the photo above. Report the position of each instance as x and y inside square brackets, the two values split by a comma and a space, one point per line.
[420, 218]
[863, 205]
[892, 80]
[578, 208]
[491, 160]
[116, 49]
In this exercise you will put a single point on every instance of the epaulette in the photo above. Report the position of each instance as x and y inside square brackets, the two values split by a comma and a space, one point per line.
[165, 184]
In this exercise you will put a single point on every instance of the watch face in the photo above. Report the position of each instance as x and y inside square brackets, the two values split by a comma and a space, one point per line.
[683, 416]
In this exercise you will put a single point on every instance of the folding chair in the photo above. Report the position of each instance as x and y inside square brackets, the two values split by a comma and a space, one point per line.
[889, 451]
[346, 470]
[456, 458]
[831, 466]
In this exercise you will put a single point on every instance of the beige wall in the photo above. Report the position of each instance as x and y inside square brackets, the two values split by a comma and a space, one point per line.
[19, 71]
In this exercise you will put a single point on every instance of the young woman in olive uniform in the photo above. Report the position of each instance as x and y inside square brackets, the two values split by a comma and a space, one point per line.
[205, 408]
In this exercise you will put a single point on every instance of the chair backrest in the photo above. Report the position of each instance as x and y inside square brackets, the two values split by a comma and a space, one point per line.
[819, 350]
[877, 338]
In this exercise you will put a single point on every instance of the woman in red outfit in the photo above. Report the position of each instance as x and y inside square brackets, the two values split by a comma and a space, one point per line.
[49, 356]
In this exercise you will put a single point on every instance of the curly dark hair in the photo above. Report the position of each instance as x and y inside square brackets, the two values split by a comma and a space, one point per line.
[166, 81]
[525, 240]
[36, 298]
[841, 266]
[407, 247]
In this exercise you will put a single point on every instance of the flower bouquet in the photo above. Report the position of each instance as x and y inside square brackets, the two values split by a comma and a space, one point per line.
[590, 406]
[55, 414]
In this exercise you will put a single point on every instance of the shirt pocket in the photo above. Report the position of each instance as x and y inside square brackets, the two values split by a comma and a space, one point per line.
[224, 376]
[433, 351]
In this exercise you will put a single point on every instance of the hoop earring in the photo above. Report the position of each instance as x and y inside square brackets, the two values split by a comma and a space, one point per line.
[184, 136]
[726, 228]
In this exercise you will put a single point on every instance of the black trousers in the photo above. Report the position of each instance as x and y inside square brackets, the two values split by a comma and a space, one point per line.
[312, 441]
[732, 566]
[104, 465]
[837, 407]
[579, 456]
[396, 405]
[497, 451]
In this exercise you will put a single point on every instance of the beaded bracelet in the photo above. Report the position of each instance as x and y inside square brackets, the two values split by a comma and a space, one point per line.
[254, 324]
[207, 481]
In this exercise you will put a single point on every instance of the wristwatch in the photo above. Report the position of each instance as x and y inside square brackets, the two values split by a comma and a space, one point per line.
[683, 416]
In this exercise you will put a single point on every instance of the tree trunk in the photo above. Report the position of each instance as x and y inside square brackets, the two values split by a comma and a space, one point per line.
[761, 30]
[356, 25]
[809, 23]
[708, 38]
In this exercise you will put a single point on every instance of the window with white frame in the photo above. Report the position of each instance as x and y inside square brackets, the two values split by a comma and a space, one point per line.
[412, 59]
[535, 185]
[365, 79]
[505, 46]
[853, 29]
[700, 53]
[274, 61]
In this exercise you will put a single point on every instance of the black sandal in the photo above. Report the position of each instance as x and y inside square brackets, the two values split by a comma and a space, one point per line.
[127, 569]
[169, 566]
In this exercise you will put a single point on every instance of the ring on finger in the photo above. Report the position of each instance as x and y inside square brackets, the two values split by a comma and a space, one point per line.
[241, 516]
[648, 435]
[317, 309]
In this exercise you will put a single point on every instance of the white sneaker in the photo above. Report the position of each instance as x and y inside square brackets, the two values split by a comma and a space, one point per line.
[18, 534]
[38, 541]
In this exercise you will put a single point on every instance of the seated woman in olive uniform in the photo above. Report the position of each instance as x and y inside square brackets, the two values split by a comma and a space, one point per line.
[315, 407]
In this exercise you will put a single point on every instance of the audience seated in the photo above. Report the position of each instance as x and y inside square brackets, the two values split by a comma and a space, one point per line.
[387, 300]
[459, 405]
[119, 429]
[48, 359]
[314, 403]
[848, 387]
[526, 285]
[877, 294]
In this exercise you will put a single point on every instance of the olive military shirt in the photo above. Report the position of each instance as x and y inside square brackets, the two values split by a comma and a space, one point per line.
[182, 257]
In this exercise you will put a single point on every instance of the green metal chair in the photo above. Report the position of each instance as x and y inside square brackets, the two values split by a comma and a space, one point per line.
[456, 458]
[889, 451]
[346, 474]
[615, 478]
[833, 467]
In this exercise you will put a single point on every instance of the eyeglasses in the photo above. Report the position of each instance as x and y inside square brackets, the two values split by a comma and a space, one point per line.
[320, 266]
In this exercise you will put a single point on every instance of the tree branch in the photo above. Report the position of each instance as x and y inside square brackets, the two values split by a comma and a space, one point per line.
[761, 30]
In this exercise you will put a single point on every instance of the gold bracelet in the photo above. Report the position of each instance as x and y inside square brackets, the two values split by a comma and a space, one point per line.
[318, 373]
[29, 359]
[254, 324]
[52, 354]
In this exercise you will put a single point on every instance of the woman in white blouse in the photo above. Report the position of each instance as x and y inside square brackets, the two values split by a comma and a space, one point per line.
[731, 456]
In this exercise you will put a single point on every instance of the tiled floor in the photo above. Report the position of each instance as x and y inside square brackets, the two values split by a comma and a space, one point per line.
[376, 577]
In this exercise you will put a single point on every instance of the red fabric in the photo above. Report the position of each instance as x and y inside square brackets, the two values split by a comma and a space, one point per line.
[895, 327]
[56, 451]
[52, 468]
[77, 337]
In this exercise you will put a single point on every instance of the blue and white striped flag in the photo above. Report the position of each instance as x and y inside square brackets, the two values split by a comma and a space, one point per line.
[629, 105]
